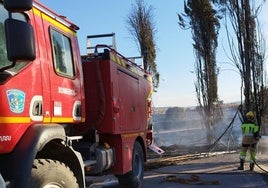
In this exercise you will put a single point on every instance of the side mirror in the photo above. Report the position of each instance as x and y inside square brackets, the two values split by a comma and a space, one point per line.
[18, 5]
[20, 40]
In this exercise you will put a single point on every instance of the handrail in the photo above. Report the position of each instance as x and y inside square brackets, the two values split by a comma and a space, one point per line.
[123, 57]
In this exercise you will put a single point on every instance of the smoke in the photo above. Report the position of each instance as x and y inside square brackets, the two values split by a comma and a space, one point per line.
[183, 129]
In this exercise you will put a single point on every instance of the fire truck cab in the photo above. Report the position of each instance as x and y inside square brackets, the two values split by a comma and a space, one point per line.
[64, 116]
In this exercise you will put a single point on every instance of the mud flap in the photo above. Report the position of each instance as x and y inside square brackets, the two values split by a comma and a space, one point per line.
[156, 149]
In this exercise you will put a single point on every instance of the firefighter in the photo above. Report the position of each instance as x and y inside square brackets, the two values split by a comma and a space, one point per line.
[250, 133]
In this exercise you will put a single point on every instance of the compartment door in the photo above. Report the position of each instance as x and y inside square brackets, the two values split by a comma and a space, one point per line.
[129, 102]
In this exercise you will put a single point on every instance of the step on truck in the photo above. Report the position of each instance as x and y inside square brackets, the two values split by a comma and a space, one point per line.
[65, 116]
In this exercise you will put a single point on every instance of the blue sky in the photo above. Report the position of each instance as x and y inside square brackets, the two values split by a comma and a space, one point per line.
[175, 59]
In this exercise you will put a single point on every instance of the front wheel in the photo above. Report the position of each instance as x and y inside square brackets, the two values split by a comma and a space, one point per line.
[134, 178]
[47, 173]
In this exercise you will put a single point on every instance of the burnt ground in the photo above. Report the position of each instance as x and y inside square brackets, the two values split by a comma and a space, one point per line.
[176, 154]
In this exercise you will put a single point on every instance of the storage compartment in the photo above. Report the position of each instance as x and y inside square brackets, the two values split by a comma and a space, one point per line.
[116, 94]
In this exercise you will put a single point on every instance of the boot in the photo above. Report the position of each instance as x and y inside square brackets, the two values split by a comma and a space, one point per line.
[251, 166]
[241, 167]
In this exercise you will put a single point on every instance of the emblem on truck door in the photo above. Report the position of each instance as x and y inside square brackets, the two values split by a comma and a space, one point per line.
[16, 100]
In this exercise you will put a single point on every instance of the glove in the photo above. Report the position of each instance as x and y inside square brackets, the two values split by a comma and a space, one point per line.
[257, 137]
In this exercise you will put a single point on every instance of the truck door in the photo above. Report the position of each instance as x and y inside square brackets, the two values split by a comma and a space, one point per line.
[64, 79]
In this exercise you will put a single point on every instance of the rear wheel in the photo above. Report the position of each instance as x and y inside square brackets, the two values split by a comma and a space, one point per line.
[47, 173]
[134, 178]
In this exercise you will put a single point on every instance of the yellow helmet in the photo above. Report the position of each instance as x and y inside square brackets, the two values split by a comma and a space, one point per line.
[250, 115]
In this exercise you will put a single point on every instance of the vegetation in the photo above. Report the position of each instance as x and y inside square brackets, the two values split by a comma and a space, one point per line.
[247, 48]
[201, 18]
[142, 28]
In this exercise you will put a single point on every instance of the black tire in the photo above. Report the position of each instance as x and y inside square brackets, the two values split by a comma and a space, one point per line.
[134, 178]
[51, 173]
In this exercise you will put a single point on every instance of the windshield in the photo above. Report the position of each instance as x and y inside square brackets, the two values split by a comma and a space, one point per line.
[4, 62]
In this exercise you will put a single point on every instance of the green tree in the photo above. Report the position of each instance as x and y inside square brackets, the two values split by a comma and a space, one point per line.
[141, 26]
[201, 18]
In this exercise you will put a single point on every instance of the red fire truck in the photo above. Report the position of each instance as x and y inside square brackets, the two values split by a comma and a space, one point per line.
[64, 116]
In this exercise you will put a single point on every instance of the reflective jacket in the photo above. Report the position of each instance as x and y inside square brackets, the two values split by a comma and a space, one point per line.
[249, 129]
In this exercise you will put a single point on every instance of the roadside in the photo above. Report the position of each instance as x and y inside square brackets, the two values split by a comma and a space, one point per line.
[217, 169]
